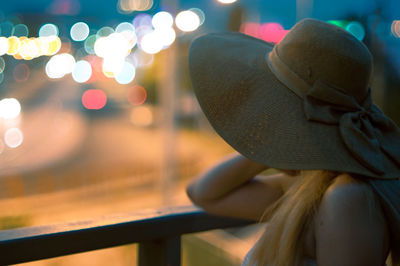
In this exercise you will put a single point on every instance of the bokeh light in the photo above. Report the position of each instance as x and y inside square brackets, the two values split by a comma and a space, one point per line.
[142, 20]
[162, 20]
[79, 31]
[10, 108]
[396, 28]
[82, 71]
[114, 45]
[356, 29]
[94, 99]
[13, 137]
[21, 73]
[166, 36]
[127, 30]
[339, 23]
[30, 48]
[48, 30]
[137, 95]
[59, 65]
[227, 1]
[187, 21]
[199, 13]
[3, 45]
[270, 32]
[50, 45]
[14, 45]
[128, 6]
[151, 43]
[20, 30]
[104, 32]
[89, 44]
[127, 74]
[142, 116]
[142, 31]
[112, 66]
[251, 29]
[124, 26]
[2, 64]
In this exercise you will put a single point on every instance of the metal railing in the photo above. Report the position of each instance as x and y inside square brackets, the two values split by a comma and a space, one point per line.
[158, 233]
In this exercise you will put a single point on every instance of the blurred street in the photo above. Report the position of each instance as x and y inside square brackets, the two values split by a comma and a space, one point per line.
[78, 167]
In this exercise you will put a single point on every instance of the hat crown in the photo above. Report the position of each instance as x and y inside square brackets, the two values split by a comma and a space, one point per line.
[316, 50]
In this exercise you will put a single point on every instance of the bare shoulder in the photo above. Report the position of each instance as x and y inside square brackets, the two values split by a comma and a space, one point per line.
[345, 189]
[350, 228]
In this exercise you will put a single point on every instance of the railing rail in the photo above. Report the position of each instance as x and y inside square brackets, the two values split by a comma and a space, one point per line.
[157, 231]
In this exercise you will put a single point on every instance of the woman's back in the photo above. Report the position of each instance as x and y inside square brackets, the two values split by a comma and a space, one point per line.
[349, 225]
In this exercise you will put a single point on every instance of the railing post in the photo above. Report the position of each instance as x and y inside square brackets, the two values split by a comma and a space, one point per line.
[160, 252]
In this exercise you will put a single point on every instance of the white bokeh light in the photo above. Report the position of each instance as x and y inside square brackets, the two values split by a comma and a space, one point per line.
[114, 45]
[30, 49]
[9, 108]
[82, 71]
[227, 1]
[48, 30]
[13, 137]
[3, 45]
[112, 66]
[166, 36]
[79, 31]
[127, 74]
[151, 43]
[60, 65]
[162, 19]
[187, 21]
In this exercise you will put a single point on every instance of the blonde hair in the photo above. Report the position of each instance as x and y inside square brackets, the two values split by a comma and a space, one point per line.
[282, 243]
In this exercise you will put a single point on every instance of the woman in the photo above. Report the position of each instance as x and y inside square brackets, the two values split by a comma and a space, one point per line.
[304, 107]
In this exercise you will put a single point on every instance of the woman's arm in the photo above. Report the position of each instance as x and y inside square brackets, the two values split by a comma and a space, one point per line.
[232, 188]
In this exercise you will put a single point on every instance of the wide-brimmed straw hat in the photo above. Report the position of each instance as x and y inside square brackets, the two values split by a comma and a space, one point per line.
[304, 103]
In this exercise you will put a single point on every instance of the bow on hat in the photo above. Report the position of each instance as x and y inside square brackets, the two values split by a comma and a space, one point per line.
[366, 132]
[361, 126]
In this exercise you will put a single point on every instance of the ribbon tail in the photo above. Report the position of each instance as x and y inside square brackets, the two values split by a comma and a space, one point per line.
[389, 194]
[388, 135]
[362, 145]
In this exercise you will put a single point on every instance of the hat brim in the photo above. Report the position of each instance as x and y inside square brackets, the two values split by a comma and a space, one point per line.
[257, 115]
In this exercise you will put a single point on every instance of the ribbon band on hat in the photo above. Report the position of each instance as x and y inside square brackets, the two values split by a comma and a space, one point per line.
[360, 125]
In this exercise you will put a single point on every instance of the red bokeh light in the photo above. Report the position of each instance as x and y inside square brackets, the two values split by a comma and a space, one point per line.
[94, 99]
[269, 32]
[137, 95]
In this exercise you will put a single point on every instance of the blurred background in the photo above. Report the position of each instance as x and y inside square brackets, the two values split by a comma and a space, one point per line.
[97, 113]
